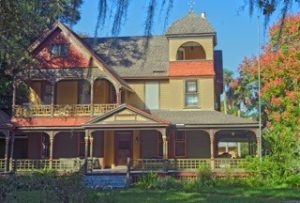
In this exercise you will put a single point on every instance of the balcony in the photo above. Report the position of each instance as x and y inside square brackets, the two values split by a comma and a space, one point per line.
[62, 110]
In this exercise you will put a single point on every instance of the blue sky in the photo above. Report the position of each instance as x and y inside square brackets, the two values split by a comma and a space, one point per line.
[237, 31]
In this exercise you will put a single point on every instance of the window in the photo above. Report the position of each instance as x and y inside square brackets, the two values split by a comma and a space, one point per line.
[152, 95]
[59, 50]
[46, 93]
[191, 93]
[180, 144]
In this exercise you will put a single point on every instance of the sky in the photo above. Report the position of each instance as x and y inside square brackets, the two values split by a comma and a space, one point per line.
[237, 31]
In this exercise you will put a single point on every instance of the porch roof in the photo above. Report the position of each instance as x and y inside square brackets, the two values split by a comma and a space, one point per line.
[191, 118]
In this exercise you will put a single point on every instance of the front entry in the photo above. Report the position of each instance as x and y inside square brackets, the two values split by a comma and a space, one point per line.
[123, 147]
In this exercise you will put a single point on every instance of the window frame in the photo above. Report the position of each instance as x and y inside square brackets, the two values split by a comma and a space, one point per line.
[191, 93]
[60, 50]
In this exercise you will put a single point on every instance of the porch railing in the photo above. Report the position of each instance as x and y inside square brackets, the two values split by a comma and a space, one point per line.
[2, 164]
[148, 164]
[62, 110]
[188, 164]
[74, 164]
[230, 163]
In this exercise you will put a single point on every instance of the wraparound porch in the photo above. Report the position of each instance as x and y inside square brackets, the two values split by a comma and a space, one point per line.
[136, 149]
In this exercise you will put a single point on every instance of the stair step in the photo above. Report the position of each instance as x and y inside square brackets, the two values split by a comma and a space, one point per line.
[105, 181]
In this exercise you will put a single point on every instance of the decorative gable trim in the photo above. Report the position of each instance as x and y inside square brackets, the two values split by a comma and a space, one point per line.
[67, 32]
[127, 115]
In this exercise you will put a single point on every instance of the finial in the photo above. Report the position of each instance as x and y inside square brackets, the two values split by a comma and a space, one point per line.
[191, 4]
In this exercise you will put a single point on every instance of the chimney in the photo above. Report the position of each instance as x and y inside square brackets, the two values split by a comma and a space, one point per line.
[203, 15]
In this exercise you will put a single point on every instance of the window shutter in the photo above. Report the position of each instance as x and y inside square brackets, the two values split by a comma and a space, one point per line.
[152, 95]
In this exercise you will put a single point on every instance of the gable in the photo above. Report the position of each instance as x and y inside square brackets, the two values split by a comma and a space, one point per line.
[74, 57]
[128, 115]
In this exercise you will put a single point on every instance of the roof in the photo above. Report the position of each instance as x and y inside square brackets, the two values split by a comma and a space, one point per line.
[190, 24]
[130, 57]
[203, 118]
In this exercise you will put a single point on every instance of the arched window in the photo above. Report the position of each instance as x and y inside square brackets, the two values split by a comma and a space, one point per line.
[190, 51]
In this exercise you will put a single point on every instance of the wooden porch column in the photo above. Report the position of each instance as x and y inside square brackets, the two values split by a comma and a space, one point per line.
[91, 145]
[258, 144]
[14, 93]
[212, 151]
[6, 151]
[86, 144]
[12, 140]
[92, 96]
[51, 141]
[165, 143]
[119, 96]
[52, 98]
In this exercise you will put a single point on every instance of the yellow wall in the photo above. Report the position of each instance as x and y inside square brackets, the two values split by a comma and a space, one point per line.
[66, 92]
[109, 149]
[35, 93]
[207, 96]
[172, 94]
[136, 99]
[205, 42]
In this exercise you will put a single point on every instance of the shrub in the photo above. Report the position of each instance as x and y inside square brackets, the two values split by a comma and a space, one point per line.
[148, 180]
[205, 176]
[167, 183]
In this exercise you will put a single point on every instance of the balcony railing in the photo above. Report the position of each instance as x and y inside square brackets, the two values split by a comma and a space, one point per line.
[62, 110]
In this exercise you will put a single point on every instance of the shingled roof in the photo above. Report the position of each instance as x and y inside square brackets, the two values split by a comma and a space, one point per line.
[130, 57]
[191, 24]
[203, 118]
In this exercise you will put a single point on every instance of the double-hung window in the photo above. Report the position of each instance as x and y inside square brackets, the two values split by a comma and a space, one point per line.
[191, 93]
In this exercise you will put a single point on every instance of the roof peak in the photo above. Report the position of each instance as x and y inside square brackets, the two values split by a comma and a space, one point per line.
[191, 24]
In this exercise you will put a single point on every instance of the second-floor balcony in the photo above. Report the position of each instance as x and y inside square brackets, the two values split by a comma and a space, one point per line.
[66, 97]
[62, 110]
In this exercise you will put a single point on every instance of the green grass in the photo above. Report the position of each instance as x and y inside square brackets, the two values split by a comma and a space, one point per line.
[212, 195]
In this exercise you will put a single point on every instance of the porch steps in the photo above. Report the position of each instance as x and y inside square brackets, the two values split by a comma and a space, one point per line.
[105, 181]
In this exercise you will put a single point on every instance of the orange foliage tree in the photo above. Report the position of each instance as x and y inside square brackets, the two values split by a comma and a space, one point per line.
[280, 95]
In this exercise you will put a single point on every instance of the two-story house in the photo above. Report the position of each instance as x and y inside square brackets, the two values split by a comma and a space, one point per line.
[115, 98]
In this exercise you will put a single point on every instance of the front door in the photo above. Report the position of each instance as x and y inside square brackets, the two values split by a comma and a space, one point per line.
[123, 146]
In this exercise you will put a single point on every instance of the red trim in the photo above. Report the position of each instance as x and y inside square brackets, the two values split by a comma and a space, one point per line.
[50, 121]
[191, 68]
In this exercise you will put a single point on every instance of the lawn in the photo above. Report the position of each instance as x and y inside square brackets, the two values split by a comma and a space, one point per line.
[222, 195]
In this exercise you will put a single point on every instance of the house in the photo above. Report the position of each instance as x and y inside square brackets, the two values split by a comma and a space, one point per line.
[110, 99]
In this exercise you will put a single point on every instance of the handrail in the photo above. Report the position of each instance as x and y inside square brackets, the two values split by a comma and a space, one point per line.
[62, 110]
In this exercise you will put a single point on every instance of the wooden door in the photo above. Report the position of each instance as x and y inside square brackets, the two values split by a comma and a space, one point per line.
[123, 147]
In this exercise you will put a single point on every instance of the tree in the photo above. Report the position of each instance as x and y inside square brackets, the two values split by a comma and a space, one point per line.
[21, 23]
[280, 94]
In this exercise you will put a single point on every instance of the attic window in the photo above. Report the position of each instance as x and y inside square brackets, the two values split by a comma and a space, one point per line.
[58, 50]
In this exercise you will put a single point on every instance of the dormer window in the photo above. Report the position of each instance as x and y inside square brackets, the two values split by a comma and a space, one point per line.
[58, 50]
[190, 51]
